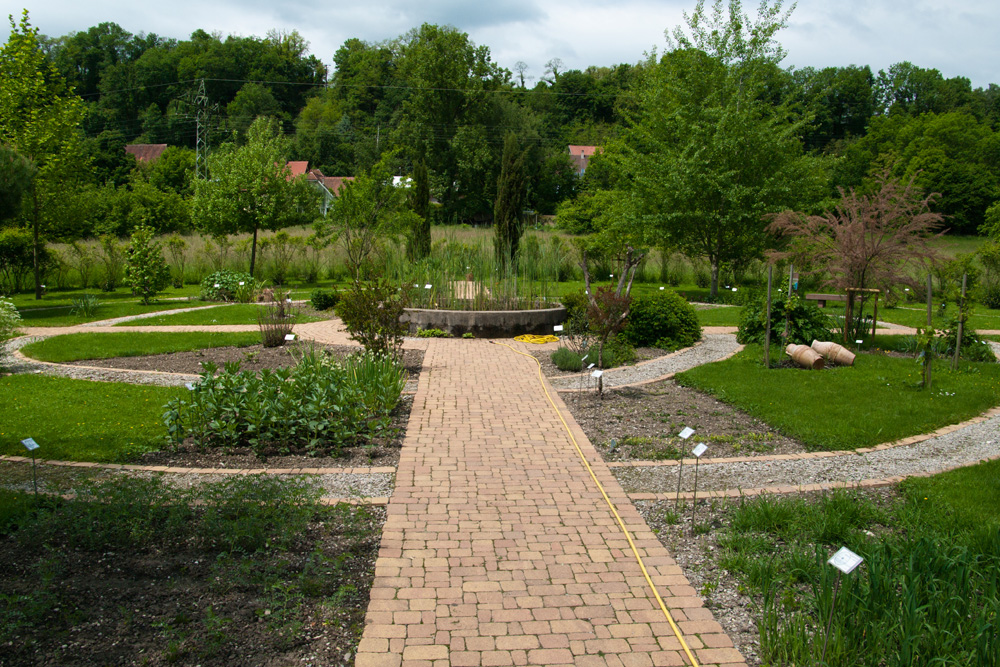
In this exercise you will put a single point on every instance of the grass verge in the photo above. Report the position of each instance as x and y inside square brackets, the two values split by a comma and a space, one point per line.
[876, 400]
[929, 586]
[76, 347]
[238, 313]
[78, 420]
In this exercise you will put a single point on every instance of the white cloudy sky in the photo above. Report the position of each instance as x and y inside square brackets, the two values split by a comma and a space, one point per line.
[959, 39]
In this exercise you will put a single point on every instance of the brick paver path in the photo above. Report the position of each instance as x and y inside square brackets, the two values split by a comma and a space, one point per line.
[499, 549]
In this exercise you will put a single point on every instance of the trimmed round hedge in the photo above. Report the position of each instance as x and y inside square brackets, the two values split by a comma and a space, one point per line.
[662, 319]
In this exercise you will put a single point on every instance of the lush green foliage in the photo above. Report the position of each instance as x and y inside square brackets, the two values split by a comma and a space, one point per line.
[80, 346]
[226, 285]
[806, 321]
[250, 188]
[317, 406]
[240, 313]
[324, 299]
[879, 399]
[928, 587]
[17, 173]
[77, 420]
[146, 271]
[662, 319]
[371, 312]
[17, 258]
[9, 317]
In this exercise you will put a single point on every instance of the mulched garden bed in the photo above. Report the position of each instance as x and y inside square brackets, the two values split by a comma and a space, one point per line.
[644, 422]
[176, 605]
[253, 358]
[381, 452]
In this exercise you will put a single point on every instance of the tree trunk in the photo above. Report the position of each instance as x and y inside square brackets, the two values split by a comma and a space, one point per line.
[35, 223]
[714, 290]
[253, 251]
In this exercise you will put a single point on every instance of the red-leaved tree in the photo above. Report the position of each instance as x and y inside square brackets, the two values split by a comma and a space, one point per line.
[868, 240]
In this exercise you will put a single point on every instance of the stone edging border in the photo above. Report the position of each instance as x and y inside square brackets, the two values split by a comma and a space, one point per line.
[622, 369]
[17, 354]
[804, 488]
[913, 439]
[176, 470]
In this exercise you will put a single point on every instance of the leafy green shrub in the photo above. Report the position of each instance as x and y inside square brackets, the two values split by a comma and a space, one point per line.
[806, 321]
[371, 312]
[988, 292]
[662, 319]
[223, 285]
[324, 300]
[432, 333]
[576, 304]
[146, 271]
[317, 406]
[9, 317]
[973, 347]
[566, 359]
[16, 258]
[618, 351]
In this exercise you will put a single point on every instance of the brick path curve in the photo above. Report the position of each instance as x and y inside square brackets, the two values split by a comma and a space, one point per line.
[499, 549]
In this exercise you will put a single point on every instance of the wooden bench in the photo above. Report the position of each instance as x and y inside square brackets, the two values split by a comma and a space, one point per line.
[821, 299]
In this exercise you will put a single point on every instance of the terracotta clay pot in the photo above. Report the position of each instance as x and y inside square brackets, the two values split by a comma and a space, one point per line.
[805, 356]
[834, 353]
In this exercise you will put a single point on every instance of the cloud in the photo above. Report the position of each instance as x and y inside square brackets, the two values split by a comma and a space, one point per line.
[956, 39]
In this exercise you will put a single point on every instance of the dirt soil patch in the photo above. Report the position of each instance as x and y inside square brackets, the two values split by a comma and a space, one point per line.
[698, 556]
[382, 451]
[550, 370]
[183, 606]
[253, 358]
[642, 423]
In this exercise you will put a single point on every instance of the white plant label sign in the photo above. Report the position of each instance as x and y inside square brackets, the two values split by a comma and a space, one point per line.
[591, 366]
[686, 433]
[30, 444]
[699, 450]
[557, 327]
[845, 560]
[289, 336]
[597, 374]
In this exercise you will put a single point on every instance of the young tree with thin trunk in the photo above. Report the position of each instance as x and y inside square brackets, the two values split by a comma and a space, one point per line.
[250, 188]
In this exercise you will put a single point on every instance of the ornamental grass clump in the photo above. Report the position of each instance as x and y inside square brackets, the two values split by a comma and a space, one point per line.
[316, 407]
[275, 320]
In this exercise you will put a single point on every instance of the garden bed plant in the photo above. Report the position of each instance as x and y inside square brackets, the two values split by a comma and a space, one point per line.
[133, 571]
[928, 587]
[316, 407]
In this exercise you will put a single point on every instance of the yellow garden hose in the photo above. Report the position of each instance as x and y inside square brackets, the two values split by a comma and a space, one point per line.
[614, 510]
[537, 340]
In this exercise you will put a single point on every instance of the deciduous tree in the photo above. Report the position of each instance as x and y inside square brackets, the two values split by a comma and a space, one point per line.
[250, 188]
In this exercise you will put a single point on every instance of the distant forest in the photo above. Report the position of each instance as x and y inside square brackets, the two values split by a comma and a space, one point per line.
[437, 96]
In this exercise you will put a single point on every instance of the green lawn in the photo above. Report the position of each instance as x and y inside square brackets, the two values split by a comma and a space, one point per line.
[237, 313]
[78, 420]
[719, 317]
[76, 347]
[876, 400]
[60, 316]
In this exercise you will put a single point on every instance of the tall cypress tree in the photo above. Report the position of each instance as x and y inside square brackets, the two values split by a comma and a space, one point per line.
[420, 199]
[512, 192]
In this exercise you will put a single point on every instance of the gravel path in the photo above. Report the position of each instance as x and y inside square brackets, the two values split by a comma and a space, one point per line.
[712, 348]
[129, 318]
[966, 446]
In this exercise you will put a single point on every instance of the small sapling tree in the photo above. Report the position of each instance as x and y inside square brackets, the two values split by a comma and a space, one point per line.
[146, 271]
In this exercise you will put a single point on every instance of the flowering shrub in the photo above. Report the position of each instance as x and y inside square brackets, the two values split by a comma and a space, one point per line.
[9, 317]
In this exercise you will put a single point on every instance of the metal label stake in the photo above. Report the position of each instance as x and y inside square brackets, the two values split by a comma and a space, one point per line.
[686, 433]
[31, 446]
[697, 452]
[845, 561]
